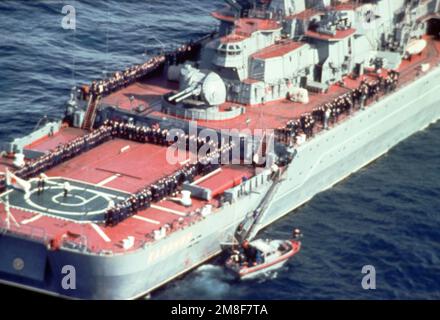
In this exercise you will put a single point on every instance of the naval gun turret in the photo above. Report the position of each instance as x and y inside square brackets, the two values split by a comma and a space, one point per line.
[206, 87]
[202, 92]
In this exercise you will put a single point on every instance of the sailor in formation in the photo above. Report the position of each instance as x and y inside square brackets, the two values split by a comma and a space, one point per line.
[166, 187]
[123, 79]
[331, 112]
[64, 152]
[325, 115]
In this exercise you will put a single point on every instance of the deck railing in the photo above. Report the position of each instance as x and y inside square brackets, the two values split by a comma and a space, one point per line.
[23, 231]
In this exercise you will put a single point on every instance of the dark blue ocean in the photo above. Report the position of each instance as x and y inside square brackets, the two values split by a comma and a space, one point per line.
[387, 215]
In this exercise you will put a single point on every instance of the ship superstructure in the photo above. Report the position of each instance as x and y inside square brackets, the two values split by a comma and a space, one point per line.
[287, 98]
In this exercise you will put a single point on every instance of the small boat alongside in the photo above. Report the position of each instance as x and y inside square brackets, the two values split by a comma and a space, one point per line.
[260, 256]
[248, 259]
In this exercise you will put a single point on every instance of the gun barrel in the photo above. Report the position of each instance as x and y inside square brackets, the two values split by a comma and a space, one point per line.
[183, 97]
[181, 93]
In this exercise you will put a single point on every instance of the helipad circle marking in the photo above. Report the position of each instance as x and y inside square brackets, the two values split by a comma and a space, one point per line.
[97, 194]
[74, 208]
[83, 200]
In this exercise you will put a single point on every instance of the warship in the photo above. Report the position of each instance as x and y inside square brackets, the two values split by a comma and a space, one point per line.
[153, 169]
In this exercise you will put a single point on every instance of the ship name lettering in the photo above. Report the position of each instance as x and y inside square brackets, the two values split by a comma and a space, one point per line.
[169, 248]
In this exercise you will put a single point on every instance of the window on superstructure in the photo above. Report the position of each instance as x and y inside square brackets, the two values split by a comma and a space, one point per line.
[222, 49]
[230, 50]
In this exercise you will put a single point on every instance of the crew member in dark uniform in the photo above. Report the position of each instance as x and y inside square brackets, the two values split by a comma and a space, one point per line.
[250, 253]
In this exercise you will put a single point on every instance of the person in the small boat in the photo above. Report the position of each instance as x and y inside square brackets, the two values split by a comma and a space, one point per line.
[296, 233]
[250, 252]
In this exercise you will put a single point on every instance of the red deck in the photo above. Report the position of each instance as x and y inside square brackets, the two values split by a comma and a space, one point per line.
[105, 165]
[340, 34]
[245, 27]
[271, 115]
[278, 50]
[276, 114]
[49, 143]
[305, 15]
[142, 164]
[229, 177]
[148, 93]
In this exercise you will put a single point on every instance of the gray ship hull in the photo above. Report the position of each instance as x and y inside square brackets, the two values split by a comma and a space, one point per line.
[333, 155]
[320, 163]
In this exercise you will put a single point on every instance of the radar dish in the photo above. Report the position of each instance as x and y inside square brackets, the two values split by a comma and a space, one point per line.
[214, 89]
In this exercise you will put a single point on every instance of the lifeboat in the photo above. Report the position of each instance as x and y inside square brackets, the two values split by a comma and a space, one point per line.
[271, 255]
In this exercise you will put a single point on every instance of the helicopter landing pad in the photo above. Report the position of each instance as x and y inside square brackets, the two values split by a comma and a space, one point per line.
[82, 202]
